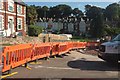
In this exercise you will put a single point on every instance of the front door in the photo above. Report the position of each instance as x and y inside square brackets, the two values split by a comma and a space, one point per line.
[11, 27]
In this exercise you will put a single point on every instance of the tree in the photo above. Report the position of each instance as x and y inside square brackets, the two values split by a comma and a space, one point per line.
[60, 11]
[31, 14]
[45, 11]
[112, 12]
[77, 13]
[93, 11]
[87, 7]
[97, 26]
[39, 12]
[95, 14]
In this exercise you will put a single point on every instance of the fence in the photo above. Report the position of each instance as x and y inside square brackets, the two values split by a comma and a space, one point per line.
[14, 56]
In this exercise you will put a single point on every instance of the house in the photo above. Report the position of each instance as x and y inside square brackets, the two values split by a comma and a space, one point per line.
[12, 18]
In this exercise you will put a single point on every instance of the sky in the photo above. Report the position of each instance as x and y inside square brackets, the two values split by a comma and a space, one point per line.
[73, 3]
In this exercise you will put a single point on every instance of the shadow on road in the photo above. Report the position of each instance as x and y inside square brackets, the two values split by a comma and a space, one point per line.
[93, 65]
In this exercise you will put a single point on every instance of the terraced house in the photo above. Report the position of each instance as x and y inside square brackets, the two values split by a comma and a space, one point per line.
[12, 18]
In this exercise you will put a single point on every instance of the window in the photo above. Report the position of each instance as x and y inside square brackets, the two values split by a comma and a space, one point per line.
[19, 26]
[1, 4]
[1, 23]
[11, 5]
[19, 9]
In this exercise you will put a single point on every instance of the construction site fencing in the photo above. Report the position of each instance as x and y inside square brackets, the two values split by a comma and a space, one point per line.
[14, 56]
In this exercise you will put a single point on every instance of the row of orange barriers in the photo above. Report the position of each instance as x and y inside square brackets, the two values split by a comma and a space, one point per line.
[14, 56]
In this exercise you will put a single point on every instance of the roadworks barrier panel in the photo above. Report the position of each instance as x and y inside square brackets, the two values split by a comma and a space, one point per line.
[40, 51]
[17, 55]
[14, 56]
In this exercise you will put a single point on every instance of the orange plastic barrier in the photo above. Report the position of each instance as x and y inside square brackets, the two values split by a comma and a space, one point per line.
[75, 44]
[69, 45]
[81, 44]
[40, 51]
[16, 55]
[62, 48]
[54, 48]
[92, 44]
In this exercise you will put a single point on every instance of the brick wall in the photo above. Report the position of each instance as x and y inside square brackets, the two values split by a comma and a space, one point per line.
[8, 13]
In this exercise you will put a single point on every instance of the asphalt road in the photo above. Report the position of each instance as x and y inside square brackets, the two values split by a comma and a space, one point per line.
[74, 65]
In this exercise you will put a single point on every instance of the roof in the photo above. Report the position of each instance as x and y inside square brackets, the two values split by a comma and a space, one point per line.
[20, 2]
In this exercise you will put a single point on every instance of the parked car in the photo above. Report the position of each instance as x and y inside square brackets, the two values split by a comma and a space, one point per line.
[110, 51]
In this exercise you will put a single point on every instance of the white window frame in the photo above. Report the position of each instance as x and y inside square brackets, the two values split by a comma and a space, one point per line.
[1, 4]
[19, 24]
[18, 9]
[11, 3]
[2, 27]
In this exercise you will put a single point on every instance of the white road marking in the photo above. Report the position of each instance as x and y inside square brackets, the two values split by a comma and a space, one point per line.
[60, 68]
[112, 73]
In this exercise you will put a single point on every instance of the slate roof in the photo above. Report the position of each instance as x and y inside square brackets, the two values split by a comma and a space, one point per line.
[20, 2]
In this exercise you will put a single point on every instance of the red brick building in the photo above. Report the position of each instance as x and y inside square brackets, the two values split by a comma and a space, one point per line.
[12, 18]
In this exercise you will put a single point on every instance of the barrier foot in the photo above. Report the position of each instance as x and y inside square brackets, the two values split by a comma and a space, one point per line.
[36, 60]
[8, 75]
[10, 71]
[25, 64]
[68, 53]
[47, 58]
[28, 67]
[54, 56]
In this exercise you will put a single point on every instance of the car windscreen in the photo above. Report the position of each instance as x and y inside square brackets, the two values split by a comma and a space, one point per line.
[117, 38]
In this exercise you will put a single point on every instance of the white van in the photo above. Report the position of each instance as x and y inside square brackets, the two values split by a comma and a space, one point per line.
[110, 51]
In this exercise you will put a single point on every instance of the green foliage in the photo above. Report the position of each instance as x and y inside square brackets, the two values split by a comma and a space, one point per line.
[93, 11]
[34, 30]
[112, 31]
[61, 10]
[31, 14]
[97, 26]
[95, 14]
[98, 20]
[78, 13]
[112, 12]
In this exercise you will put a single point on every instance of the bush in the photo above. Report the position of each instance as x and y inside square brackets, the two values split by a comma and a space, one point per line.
[34, 30]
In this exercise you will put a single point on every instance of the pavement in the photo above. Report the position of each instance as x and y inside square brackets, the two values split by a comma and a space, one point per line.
[73, 65]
